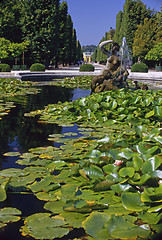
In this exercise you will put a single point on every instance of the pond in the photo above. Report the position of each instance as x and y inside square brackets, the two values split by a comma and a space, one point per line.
[20, 133]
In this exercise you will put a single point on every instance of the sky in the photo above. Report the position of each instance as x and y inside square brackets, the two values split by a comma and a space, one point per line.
[92, 18]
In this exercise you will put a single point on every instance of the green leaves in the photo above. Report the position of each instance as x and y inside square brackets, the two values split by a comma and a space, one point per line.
[53, 227]
[9, 215]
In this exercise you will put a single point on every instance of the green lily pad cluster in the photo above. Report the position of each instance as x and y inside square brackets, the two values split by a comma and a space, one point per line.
[5, 108]
[83, 82]
[107, 182]
[8, 215]
[119, 107]
[13, 87]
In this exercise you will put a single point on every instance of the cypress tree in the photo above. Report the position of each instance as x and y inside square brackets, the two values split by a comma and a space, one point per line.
[74, 46]
[63, 32]
[134, 13]
[119, 17]
[68, 46]
[78, 51]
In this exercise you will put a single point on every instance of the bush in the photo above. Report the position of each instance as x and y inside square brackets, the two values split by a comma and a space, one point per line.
[5, 67]
[139, 67]
[86, 68]
[36, 67]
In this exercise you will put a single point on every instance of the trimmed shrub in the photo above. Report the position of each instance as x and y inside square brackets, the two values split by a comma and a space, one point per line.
[86, 68]
[139, 67]
[5, 67]
[37, 67]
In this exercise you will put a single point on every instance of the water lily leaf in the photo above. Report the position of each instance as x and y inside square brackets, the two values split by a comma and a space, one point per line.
[110, 168]
[69, 190]
[151, 218]
[113, 105]
[121, 227]
[74, 219]
[46, 196]
[152, 194]
[95, 225]
[149, 114]
[3, 188]
[155, 209]
[93, 172]
[126, 171]
[158, 111]
[9, 214]
[143, 179]
[103, 186]
[12, 154]
[158, 139]
[150, 166]
[93, 154]
[127, 153]
[119, 188]
[51, 228]
[132, 201]
[117, 209]
[54, 206]
[12, 172]
[46, 184]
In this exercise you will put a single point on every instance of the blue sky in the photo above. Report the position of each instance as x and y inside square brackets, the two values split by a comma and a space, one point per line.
[92, 18]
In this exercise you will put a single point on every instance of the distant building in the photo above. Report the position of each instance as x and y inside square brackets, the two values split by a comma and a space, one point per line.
[87, 56]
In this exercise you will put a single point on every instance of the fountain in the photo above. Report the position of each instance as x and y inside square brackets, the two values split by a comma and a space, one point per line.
[114, 74]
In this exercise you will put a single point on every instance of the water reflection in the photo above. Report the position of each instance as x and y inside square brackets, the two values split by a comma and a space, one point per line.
[19, 133]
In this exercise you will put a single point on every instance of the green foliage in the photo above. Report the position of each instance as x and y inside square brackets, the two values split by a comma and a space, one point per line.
[13, 86]
[83, 82]
[37, 67]
[139, 67]
[109, 177]
[155, 53]
[4, 48]
[86, 68]
[134, 13]
[4, 67]
[144, 39]
[119, 17]
[10, 20]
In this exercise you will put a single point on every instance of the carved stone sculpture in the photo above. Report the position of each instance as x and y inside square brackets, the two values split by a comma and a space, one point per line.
[113, 75]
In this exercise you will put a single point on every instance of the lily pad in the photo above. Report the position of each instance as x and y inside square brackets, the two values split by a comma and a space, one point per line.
[44, 226]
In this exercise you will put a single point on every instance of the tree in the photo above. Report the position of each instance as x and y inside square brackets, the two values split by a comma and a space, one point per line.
[63, 32]
[4, 48]
[144, 38]
[68, 45]
[78, 52]
[10, 26]
[40, 25]
[17, 49]
[74, 46]
[155, 54]
[119, 17]
[134, 13]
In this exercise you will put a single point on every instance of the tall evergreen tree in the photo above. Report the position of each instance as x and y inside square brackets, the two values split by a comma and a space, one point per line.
[74, 46]
[69, 35]
[63, 32]
[10, 27]
[119, 17]
[78, 51]
[134, 13]
[40, 21]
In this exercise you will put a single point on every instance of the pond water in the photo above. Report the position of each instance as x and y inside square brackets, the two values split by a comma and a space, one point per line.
[19, 133]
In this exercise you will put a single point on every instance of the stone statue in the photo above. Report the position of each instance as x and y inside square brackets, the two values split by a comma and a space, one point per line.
[114, 74]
